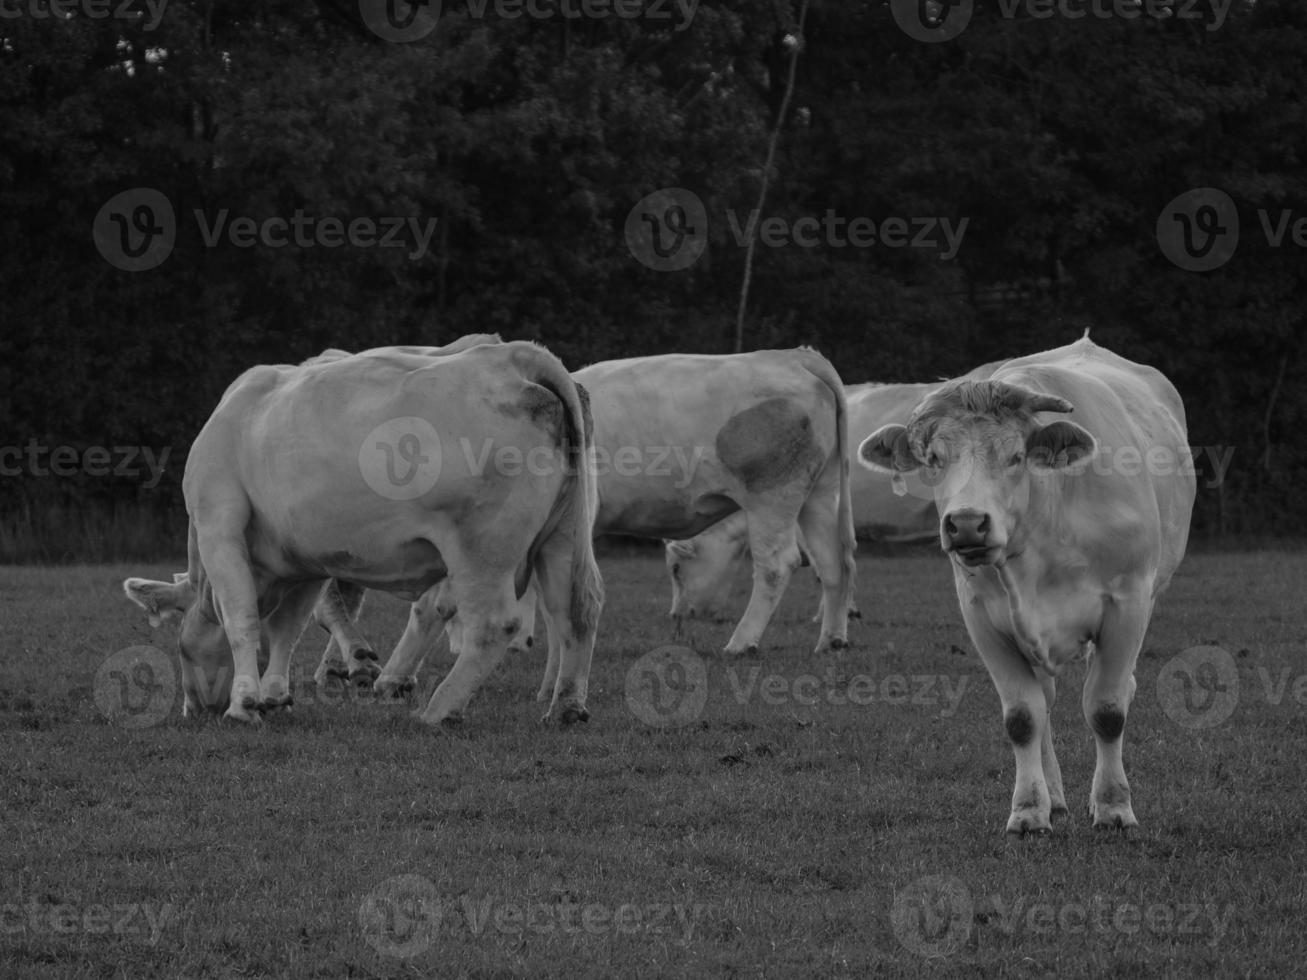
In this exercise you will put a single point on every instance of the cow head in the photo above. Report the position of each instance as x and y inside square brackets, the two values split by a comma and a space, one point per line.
[206, 660]
[979, 446]
[700, 569]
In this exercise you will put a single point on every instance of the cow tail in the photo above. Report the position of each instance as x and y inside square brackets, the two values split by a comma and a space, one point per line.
[825, 371]
[583, 482]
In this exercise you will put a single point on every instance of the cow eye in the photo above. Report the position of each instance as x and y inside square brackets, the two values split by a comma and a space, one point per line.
[1017, 459]
[933, 461]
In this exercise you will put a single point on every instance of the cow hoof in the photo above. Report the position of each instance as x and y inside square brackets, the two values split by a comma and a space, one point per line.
[333, 682]
[1030, 833]
[246, 712]
[451, 722]
[1117, 824]
[839, 644]
[363, 676]
[569, 715]
[392, 689]
[1037, 833]
[272, 704]
[1112, 816]
[1028, 824]
[854, 614]
[1059, 814]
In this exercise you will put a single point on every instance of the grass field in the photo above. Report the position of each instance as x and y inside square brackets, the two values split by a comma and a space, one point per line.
[847, 824]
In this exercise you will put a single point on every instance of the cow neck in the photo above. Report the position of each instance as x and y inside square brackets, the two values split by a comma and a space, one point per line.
[1016, 565]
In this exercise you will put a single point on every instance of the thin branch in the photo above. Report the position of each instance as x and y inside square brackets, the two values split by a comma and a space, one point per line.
[1270, 411]
[766, 179]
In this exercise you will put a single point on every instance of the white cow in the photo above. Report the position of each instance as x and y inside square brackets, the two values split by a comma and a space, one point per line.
[371, 469]
[684, 440]
[1061, 535]
[348, 657]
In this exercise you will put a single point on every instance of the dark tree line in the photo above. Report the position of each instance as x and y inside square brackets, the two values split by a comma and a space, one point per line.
[1055, 142]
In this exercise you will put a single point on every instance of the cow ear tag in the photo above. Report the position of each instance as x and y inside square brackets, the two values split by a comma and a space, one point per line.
[898, 484]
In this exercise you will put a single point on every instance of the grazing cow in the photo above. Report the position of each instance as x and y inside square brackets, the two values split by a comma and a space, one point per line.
[1061, 536]
[307, 473]
[349, 657]
[701, 568]
[684, 440]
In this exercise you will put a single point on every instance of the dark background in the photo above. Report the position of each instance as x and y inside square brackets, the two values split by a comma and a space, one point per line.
[531, 140]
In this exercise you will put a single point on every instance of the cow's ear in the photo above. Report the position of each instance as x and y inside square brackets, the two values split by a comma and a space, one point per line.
[163, 602]
[1059, 445]
[887, 451]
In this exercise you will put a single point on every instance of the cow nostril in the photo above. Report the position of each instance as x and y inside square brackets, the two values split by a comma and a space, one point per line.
[966, 524]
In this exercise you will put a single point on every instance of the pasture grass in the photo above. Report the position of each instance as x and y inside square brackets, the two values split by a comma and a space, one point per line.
[762, 837]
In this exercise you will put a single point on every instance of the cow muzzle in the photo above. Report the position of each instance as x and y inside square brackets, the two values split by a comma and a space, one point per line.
[968, 534]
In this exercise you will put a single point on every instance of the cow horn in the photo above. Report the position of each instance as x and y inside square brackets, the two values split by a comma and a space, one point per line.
[1049, 403]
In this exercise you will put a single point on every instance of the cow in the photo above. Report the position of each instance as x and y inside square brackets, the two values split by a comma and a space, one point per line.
[684, 440]
[349, 657]
[1061, 535]
[306, 473]
[701, 568]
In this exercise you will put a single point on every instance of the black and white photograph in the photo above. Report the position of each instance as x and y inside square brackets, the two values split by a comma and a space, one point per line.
[653, 489]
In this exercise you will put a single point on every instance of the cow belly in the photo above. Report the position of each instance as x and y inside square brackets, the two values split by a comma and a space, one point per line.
[406, 567]
[647, 514]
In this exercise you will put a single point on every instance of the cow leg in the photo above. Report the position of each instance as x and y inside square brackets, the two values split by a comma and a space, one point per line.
[1109, 689]
[485, 609]
[524, 641]
[819, 522]
[335, 610]
[571, 616]
[283, 627]
[819, 615]
[226, 561]
[426, 617]
[1025, 719]
[1052, 771]
[775, 556]
[333, 670]
[554, 647]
